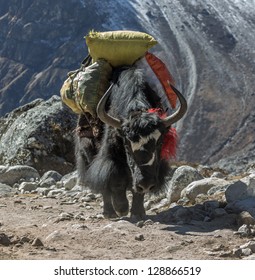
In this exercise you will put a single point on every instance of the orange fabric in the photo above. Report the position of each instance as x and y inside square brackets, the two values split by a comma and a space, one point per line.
[164, 76]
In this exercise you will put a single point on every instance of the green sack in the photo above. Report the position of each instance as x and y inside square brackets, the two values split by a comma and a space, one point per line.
[119, 47]
[85, 87]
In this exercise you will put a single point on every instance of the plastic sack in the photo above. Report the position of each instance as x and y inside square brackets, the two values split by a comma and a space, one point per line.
[84, 87]
[119, 47]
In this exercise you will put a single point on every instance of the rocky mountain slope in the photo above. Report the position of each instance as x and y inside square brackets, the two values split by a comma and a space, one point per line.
[209, 48]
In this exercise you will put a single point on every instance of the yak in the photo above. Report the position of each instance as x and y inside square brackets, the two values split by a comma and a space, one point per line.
[121, 149]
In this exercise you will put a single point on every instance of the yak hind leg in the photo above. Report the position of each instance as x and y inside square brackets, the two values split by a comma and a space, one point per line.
[108, 210]
[137, 209]
[115, 203]
[85, 151]
[88, 137]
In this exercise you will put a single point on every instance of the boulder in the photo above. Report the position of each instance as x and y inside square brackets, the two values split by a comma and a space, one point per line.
[5, 189]
[28, 187]
[69, 180]
[49, 179]
[250, 182]
[14, 174]
[236, 191]
[47, 183]
[247, 204]
[39, 134]
[52, 175]
[202, 187]
[182, 177]
[245, 218]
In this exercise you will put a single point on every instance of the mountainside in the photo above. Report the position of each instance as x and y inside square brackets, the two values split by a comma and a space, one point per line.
[208, 47]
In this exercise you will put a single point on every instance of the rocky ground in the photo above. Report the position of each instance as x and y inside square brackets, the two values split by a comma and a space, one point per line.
[202, 215]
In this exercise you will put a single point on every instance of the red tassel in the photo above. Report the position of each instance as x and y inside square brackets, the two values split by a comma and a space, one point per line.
[168, 149]
[170, 140]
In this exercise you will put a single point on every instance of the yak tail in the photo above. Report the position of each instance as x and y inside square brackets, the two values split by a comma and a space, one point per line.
[104, 173]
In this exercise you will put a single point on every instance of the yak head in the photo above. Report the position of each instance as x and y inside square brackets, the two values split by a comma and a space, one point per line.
[143, 134]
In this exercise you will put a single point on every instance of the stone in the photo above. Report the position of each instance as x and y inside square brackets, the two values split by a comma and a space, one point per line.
[54, 236]
[79, 226]
[217, 174]
[237, 252]
[148, 222]
[39, 134]
[211, 204]
[43, 191]
[5, 189]
[202, 187]
[91, 195]
[37, 242]
[218, 212]
[251, 257]
[139, 237]
[47, 183]
[86, 199]
[250, 245]
[55, 192]
[245, 218]
[238, 206]
[66, 216]
[236, 191]
[182, 215]
[182, 177]
[246, 252]
[51, 174]
[28, 186]
[250, 182]
[25, 239]
[14, 174]
[163, 203]
[100, 216]
[140, 224]
[121, 225]
[79, 217]
[4, 239]
[69, 180]
[218, 190]
[244, 231]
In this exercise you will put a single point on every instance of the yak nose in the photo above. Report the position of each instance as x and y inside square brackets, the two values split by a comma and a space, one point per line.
[145, 188]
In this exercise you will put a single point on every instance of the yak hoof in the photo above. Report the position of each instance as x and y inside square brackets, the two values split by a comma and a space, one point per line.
[111, 215]
[122, 214]
[121, 207]
[138, 217]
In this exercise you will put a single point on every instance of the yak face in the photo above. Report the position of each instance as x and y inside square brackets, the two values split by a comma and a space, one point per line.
[143, 136]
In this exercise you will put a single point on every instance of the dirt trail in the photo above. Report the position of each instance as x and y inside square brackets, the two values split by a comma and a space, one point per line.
[35, 227]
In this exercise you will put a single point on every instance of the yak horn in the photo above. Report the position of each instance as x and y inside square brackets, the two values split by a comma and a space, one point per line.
[101, 113]
[176, 116]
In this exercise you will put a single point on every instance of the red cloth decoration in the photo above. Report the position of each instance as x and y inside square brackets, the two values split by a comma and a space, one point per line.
[164, 76]
[169, 146]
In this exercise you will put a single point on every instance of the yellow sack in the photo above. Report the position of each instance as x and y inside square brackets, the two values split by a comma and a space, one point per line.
[85, 87]
[119, 47]
[67, 93]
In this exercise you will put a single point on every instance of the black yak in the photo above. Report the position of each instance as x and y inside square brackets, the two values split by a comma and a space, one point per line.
[127, 155]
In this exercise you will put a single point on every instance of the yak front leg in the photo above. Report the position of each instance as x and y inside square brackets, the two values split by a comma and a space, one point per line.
[120, 201]
[137, 209]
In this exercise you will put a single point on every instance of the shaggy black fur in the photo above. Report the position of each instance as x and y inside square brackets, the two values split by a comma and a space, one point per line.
[114, 168]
